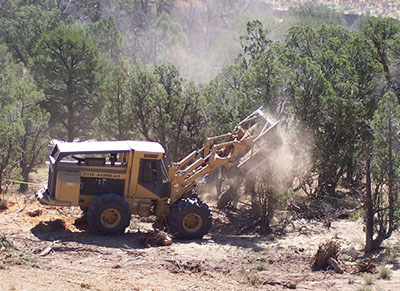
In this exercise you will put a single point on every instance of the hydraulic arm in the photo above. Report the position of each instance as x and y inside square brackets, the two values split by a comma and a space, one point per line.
[249, 141]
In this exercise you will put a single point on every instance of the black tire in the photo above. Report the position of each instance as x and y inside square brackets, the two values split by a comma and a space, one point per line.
[109, 214]
[193, 194]
[84, 210]
[190, 218]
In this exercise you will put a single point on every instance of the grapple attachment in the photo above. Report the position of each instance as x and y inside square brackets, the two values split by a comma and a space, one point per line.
[244, 148]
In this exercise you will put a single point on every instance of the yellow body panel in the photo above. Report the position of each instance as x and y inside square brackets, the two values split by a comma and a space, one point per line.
[136, 190]
[68, 187]
[139, 198]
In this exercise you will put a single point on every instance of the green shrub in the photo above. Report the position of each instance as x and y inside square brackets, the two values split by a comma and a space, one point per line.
[385, 273]
[5, 243]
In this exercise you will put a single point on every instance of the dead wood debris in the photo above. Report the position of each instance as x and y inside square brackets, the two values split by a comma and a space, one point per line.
[81, 223]
[35, 213]
[327, 256]
[18, 212]
[178, 266]
[366, 266]
[157, 238]
[45, 252]
[287, 285]
[54, 249]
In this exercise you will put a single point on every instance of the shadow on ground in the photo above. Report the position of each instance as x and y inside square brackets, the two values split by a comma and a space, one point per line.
[55, 230]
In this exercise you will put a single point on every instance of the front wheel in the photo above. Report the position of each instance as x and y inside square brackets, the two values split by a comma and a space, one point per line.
[109, 214]
[190, 218]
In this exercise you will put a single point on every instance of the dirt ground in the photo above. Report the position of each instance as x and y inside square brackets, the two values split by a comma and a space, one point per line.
[47, 248]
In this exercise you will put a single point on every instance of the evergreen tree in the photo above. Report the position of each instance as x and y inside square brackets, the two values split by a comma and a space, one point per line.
[332, 90]
[22, 32]
[33, 139]
[115, 121]
[382, 173]
[66, 66]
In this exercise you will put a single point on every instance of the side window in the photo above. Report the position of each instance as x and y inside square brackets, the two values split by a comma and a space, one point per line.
[148, 171]
[150, 175]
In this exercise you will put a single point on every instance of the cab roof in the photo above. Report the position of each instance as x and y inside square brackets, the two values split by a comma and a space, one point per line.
[101, 147]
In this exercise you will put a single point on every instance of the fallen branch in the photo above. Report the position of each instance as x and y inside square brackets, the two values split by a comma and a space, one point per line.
[49, 250]
[346, 214]
[45, 252]
[335, 265]
[18, 212]
[287, 285]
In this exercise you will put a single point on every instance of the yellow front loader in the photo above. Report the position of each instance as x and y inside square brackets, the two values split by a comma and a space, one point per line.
[110, 180]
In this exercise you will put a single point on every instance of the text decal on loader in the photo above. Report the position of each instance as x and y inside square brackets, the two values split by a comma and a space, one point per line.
[101, 175]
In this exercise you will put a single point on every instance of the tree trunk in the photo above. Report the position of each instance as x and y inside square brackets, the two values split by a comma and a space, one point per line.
[368, 207]
[250, 188]
[23, 188]
[70, 122]
[217, 180]
[390, 182]
[231, 193]
[25, 177]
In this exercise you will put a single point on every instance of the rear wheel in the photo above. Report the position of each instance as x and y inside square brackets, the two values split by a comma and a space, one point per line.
[109, 214]
[190, 218]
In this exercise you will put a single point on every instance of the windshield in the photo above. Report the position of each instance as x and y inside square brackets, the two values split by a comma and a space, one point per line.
[54, 154]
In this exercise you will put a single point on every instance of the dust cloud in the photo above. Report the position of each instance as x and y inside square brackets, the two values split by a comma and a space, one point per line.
[199, 37]
[280, 162]
[290, 162]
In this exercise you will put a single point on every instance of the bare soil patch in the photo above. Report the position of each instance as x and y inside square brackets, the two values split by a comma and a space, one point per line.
[51, 248]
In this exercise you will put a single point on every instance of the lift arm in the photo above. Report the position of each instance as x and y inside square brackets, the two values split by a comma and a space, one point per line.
[248, 141]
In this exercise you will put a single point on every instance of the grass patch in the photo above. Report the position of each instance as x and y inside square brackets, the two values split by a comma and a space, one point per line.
[355, 215]
[351, 280]
[345, 257]
[391, 256]
[253, 278]
[385, 273]
[10, 255]
[261, 266]
[6, 244]
[368, 280]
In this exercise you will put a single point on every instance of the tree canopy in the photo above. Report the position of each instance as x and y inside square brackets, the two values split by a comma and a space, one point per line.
[161, 71]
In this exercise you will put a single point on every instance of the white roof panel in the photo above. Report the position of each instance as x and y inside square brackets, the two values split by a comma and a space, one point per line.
[146, 146]
[109, 146]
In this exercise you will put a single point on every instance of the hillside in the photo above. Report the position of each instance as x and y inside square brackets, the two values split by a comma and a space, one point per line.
[387, 8]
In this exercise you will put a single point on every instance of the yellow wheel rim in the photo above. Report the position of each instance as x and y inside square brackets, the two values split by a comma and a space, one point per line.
[110, 218]
[192, 222]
